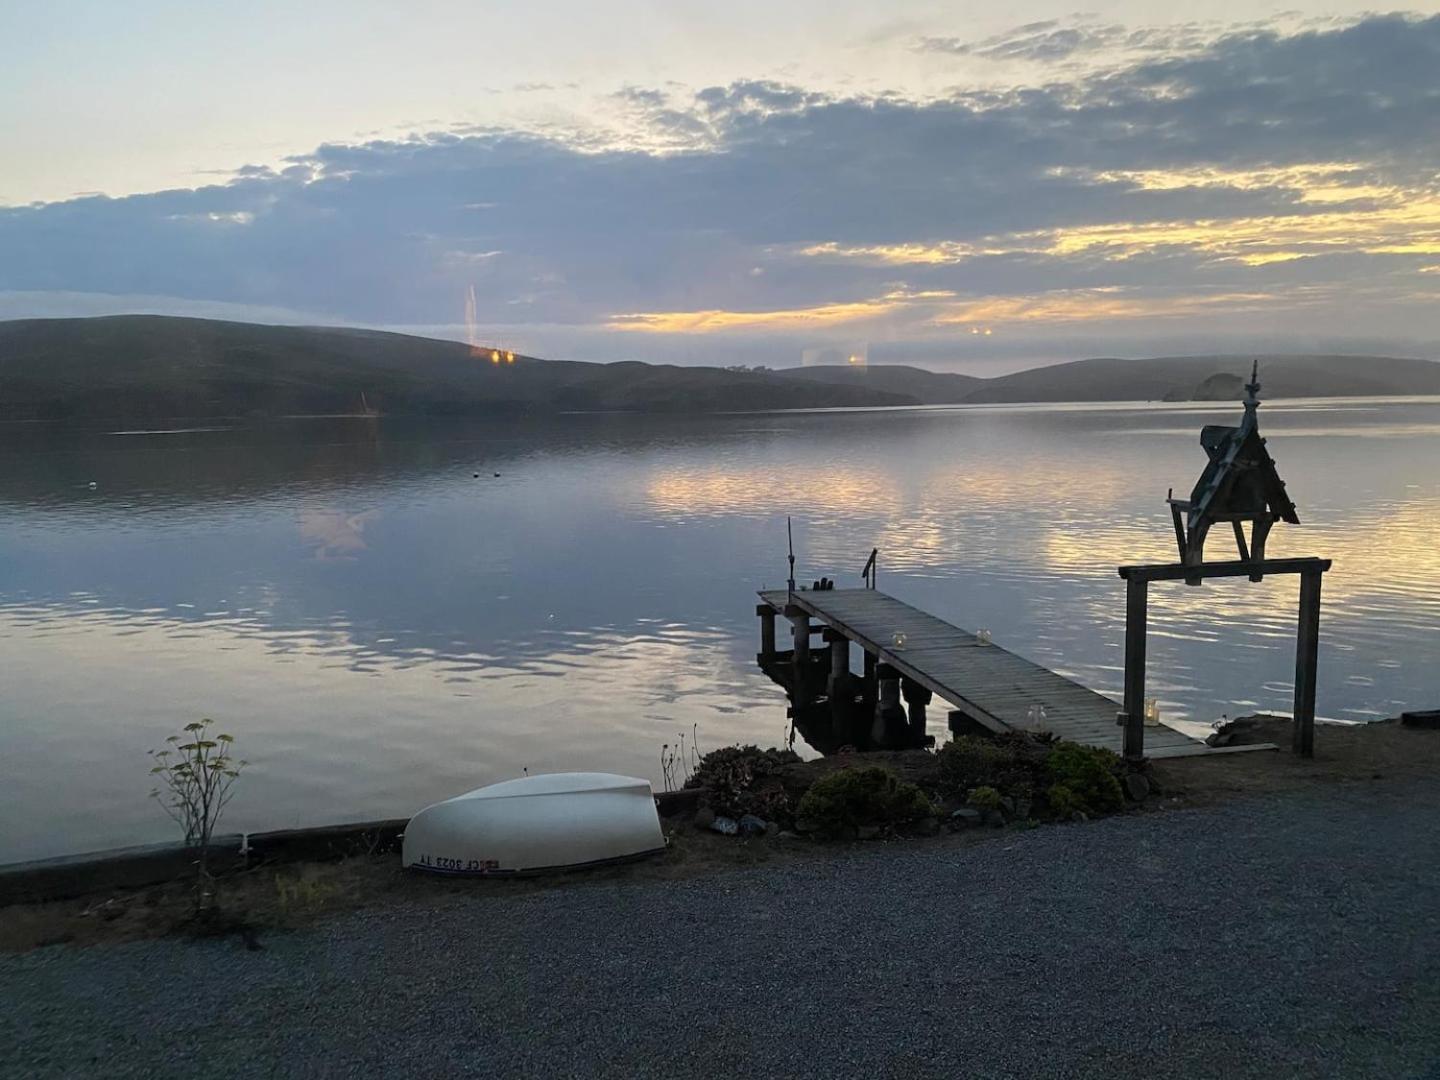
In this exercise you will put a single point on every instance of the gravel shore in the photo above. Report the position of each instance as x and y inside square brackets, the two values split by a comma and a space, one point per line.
[1295, 935]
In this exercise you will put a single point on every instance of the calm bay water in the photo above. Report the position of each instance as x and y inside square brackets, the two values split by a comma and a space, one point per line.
[380, 627]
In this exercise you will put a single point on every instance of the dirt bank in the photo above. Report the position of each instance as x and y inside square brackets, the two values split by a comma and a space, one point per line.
[266, 898]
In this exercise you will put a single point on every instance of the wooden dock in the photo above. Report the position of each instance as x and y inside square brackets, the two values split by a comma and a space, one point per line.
[986, 684]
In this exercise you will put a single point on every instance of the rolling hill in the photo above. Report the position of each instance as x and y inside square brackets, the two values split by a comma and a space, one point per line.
[143, 367]
[1181, 378]
[146, 368]
[926, 387]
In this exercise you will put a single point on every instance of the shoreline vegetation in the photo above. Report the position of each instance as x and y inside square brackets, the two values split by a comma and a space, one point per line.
[971, 791]
[146, 370]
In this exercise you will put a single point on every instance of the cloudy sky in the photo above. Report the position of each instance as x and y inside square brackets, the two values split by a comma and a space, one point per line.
[966, 187]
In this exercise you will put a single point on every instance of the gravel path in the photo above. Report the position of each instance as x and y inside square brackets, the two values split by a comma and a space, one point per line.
[1293, 936]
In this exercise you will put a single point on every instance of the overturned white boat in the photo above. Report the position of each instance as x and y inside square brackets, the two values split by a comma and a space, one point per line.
[549, 822]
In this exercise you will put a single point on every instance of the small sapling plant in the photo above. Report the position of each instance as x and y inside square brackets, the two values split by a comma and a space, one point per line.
[195, 775]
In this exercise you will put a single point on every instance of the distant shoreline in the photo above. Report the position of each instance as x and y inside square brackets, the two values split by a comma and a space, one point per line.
[157, 371]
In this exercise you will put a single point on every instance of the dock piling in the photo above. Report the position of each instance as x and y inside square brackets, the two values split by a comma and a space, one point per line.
[767, 630]
[1137, 600]
[1307, 654]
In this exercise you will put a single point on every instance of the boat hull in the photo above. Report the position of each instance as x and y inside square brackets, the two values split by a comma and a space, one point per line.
[557, 821]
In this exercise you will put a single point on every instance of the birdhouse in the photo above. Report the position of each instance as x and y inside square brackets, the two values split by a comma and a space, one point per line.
[1240, 484]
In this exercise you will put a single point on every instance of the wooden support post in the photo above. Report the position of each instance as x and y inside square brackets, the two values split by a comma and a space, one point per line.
[1257, 542]
[800, 658]
[800, 636]
[916, 698]
[1307, 659]
[962, 723]
[1179, 524]
[838, 688]
[839, 663]
[1136, 617]
[889, 713]
[1240, 541]
[767, 630]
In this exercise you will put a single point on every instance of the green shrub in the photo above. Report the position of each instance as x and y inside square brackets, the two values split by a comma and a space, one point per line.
[971, 761]
[1087, 774]
[870, 795]
[1062, 801]
[1007, 763]
[984, 798]
[745, 780]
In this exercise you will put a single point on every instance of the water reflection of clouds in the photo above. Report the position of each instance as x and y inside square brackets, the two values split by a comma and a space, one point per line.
[691, 491]
[339, 727]
[335, 534]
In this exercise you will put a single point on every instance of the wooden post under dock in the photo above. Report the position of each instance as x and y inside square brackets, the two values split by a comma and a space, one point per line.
[800, 634]
[767, 630]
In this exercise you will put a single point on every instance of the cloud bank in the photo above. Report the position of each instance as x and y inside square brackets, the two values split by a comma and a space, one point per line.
[1252, 183]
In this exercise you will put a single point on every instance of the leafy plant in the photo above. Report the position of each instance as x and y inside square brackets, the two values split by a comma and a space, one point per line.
[855, 797]
[196, 775]
[1062, 801]
[745, 780]
[985, 798]
[1005, 762]
[1088, 773]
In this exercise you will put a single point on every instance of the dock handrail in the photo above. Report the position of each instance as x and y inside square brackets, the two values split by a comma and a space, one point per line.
[872, 568]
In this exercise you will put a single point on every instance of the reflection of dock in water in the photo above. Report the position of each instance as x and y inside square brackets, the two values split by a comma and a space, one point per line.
[989, 687]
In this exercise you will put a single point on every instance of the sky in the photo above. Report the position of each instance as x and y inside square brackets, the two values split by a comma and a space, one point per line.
[968, 187]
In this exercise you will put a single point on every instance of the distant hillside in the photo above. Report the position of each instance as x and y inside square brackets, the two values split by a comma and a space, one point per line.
[145, 368]
[928, 387]
[1180, 378]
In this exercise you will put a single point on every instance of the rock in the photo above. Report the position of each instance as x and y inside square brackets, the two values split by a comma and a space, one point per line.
[1079, 815]
[725, 826]
[704, 817]
[867, 832]
[1008, 805]
[994, 818]
[1137, 786]
[1023, 808]
[804, 825]
[772, 828]
[966, 816]
[926, 826]
[750, 825]
[786, 834]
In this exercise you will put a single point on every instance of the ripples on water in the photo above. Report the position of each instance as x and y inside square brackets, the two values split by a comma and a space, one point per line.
[380, 627]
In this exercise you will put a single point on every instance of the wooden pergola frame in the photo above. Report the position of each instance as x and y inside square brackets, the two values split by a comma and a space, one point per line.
[1307, 645]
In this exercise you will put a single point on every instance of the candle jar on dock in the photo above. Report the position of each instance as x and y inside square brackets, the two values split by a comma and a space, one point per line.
[982, 637]
[1035, 720]
[1152, 712]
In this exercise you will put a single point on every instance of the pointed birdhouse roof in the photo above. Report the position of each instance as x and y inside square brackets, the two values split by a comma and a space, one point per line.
[1241, 479]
